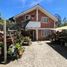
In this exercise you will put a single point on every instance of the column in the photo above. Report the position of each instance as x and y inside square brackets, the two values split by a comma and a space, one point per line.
[36, 34]
[37, 14]
[5, 46]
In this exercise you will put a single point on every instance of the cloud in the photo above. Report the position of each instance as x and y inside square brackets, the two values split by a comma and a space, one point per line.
[34, 2]
[30, 3]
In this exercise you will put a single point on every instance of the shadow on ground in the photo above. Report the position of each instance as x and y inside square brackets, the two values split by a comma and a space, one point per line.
[60, 49]
[8, 60]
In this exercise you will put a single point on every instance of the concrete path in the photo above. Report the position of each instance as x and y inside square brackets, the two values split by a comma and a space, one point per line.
[39, 54]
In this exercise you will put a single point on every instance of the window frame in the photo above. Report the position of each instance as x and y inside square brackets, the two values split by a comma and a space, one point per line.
[28, 16]
[42, 19]
[45, 33]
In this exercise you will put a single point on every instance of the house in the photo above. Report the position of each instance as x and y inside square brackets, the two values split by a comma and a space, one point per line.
[41, 21]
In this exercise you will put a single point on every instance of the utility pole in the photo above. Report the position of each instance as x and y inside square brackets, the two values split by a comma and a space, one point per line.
[5, 46]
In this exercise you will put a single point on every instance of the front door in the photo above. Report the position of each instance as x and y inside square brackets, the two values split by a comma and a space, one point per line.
[33, 35]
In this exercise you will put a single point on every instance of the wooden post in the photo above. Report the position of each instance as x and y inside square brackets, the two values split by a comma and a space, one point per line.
[36, 34]
[5, 46]
[37, 14]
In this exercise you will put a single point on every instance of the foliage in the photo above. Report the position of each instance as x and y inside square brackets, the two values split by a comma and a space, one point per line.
[14, 50]
[11, 49]
[1, 21]
[64, 21]
[18, 46]
[26, 41]
[59, 19]
[1, 44]
[20, 49]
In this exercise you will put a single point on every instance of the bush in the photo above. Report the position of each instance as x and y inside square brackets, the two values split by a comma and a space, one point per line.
[18, 46]
[1, 49]
[20, 49]
[15, 50]
[26, 41]
[1, 44]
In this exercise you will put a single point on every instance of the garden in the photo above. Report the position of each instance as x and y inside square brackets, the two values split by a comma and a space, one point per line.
[15, 41]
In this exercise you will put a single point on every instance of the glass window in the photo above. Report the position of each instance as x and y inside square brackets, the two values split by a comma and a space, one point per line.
[44, 19]
[32, 15]
[27, 17]
[45, 33]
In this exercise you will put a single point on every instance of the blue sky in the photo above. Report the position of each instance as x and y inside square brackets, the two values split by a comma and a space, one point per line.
[9, 8]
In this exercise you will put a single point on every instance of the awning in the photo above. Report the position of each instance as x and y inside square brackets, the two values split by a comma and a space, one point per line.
[61, 28]
[30, 28]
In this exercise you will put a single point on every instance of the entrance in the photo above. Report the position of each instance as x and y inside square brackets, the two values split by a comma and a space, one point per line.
[33, 35]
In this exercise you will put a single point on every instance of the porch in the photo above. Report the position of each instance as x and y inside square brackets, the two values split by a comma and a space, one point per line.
[38, 33]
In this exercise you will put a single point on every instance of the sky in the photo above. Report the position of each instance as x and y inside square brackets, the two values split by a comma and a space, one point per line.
[9, 8]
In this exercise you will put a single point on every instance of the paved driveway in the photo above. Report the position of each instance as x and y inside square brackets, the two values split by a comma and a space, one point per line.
[39, 54]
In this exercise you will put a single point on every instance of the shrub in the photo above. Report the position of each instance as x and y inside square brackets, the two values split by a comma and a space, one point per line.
[16, 50]
[26, 41]
[20, 49]
[1, 44]
[1, 48]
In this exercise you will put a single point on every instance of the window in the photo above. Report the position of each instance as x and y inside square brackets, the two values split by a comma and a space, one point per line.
[27, 17]
[45, 33]
[44, 19]
[32, 15]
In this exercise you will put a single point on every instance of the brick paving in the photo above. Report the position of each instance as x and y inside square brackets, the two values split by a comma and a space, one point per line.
[39, 54]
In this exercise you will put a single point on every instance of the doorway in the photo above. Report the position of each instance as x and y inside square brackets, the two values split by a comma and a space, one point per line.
[33, 35]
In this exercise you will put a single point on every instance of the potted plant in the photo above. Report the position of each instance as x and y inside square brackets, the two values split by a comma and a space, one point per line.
[26, 41]
[20, 49]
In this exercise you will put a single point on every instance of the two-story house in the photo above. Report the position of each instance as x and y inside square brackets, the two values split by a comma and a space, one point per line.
[41, 21]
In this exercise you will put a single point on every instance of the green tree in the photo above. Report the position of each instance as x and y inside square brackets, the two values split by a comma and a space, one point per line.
[64, 21]
[59, 19]
[15, 25]
[1, 22]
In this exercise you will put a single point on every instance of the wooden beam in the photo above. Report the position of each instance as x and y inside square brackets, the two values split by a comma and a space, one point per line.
[37, 14]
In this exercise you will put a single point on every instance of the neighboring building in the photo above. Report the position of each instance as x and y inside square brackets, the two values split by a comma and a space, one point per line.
[41, 21]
